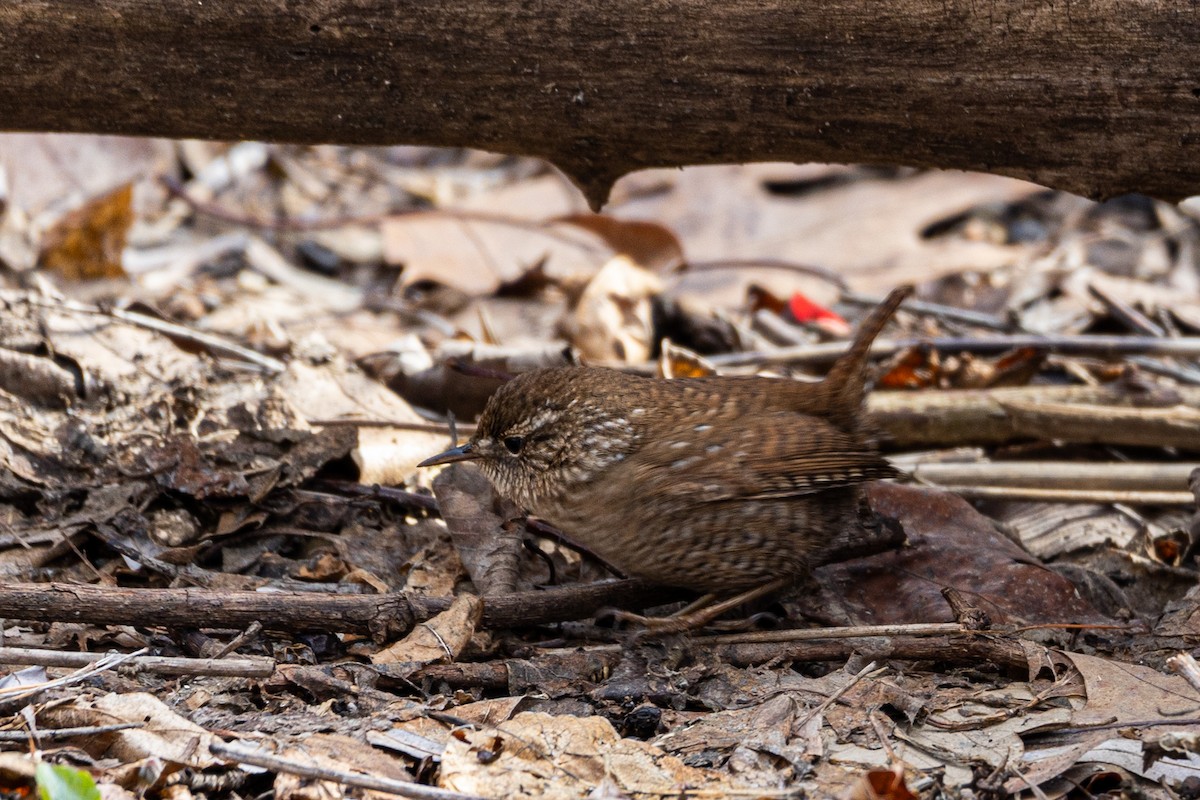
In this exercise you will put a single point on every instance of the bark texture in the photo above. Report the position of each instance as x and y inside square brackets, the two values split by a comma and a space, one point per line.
[1094, 96]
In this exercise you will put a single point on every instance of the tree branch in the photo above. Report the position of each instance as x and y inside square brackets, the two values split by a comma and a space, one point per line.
[1091, 97]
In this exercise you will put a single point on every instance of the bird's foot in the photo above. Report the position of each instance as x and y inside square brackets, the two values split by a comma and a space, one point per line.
[696, 614]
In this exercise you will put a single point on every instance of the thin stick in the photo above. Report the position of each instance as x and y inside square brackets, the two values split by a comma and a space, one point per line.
[420, 427]
[252, 631]
[218, 212]
[1013, 654]
[1101, 424]
[66, 733]
[94, 666]
[1110, 346]
[824, 273]
[833, 698]
[207, 340]
[976, 318]
[1115, 476]
[1126, 313]
[848, 632]
[257, 758]
[232, 667]
[1116, 414]
[1074, 495]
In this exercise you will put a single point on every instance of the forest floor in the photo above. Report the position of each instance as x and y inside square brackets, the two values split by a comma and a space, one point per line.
[226, 577]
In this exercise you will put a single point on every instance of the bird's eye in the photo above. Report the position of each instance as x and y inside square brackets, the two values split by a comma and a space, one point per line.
[514, 444]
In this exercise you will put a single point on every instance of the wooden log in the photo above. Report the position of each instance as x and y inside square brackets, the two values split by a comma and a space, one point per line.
[1094, 97]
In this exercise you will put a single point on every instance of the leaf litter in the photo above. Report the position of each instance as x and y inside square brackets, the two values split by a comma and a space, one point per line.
[218, 378]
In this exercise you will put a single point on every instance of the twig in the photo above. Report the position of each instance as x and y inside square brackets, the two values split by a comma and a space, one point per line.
[388, 493]
[419, 427]
[1109, 346]
[208, 341]
[1177, 426]
[232, 667]
[218, 212]
[67, 733]
[1133, 498]
[257, 758]
[1030, 785]
[1133, 319]
[869, 669]
[877, 723]
[967, 317]
[1103, 415]
[1169, 369]
[251, 632]
[586, 662]
[1114, 476]
[824, 273]
[1006, 652]
[94, 666]
[848, 632]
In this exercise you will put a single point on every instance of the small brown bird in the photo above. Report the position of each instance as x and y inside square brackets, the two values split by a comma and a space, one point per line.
[722, 484]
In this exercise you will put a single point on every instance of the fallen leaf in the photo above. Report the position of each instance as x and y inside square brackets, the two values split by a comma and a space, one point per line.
[612, 321]
[949, 544]
[477, 256]
[335, 391]
[648, 244]
[337, 752]
[88, 242]
[437, 640]
[556, 758]
[162, 733]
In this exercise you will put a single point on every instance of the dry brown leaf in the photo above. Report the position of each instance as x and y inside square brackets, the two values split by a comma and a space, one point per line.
[1127, 692]
[438, 640]
[647, 244]
[163, 733]
[335, 751]
[434, 570]
[539, 755]
[490, 712]
[87, 243]
[1119, 696]
[476, 516]
[477, 256]
[46, 169]
[612, 319]
[765, 728]
[868, 231]
[336, 391]
[949, 544]
[919, 367]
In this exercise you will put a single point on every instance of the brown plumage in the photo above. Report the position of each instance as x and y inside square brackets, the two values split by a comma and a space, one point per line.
[717, 484]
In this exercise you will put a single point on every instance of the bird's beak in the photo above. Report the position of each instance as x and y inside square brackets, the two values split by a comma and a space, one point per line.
[463, 452]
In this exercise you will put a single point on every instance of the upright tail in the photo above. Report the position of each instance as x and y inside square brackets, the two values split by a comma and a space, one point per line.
[843, 387]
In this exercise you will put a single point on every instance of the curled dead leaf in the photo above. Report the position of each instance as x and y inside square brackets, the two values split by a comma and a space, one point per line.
[613, 319]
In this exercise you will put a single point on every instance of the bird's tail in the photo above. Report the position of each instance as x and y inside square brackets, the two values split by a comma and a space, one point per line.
[843, 387]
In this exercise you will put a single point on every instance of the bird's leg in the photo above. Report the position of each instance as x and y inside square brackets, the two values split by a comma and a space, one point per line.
[700, 612]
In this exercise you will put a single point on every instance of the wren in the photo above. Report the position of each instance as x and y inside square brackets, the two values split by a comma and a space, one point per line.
[720, 484]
